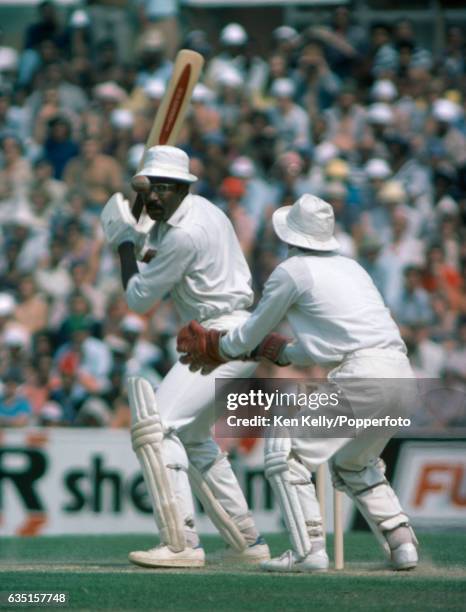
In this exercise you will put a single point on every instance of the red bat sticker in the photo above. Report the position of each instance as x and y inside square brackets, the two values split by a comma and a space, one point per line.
[175, 104]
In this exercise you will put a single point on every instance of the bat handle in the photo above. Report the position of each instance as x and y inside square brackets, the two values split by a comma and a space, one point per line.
[137, 207]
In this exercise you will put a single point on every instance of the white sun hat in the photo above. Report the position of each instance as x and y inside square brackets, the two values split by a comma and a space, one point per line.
[132, 323]
[384, 90]
[285, 32]
[154, 89]
[168, 162]
[242, 167]
[230, 77]
[233, 34]
[377, 168]
[79, 19]
[283, 88]
[445, 110]
[308, 224]
[135, 154]
[380, 113]
[201, 93]
[122, 118]
[7, 304]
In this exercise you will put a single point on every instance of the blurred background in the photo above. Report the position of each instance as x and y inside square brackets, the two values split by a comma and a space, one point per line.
[361, 103]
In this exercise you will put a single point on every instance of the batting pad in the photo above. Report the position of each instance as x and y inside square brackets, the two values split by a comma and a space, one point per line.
[277, 472]
[204, 487]
[374, 498]
[146, 436]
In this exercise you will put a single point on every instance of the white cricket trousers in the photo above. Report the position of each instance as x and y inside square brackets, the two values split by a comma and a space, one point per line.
[186, 403]
[354, 462]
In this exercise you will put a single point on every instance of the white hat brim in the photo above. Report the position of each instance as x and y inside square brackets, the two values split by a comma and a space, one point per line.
[290, 236]
[182, 177]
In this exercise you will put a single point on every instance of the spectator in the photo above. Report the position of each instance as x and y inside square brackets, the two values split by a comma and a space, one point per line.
[31, 311]
[100, 174]
[59, 146]
[290, 120]
[15, 410]
[413, 303]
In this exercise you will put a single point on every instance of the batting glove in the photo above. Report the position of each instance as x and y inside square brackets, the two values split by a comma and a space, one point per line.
[118, 223]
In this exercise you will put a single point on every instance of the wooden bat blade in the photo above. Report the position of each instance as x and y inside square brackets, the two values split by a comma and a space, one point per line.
[172, 110]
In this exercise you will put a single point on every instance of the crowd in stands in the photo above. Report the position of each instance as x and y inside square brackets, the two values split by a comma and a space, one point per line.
[370, 120]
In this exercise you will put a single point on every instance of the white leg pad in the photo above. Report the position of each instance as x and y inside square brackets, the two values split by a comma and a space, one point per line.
[209, 489]
[277, 472]
[301, 479]
[147, 435]
[374, 498]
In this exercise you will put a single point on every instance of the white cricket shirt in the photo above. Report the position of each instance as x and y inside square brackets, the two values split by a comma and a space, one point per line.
[331, 304]
[198, 261]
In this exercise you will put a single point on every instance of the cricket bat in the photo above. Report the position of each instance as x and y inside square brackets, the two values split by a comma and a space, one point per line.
[173, 108]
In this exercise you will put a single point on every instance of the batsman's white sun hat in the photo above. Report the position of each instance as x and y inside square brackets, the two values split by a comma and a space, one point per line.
[168, 162]
[308, 224]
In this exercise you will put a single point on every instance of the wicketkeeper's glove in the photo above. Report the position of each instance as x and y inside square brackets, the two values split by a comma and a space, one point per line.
[201, 348]
[271, 348]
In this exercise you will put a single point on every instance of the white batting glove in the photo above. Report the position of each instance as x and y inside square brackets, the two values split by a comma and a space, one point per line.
[118, 223]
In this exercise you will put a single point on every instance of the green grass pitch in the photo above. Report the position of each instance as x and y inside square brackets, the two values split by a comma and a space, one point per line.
[95, 573]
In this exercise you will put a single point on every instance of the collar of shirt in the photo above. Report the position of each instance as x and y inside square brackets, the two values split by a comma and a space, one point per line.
[176, 220]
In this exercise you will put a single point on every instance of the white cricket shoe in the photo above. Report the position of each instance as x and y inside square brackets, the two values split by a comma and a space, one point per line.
[290, 562]
[255, 553]
[162, 556]
[404, 557]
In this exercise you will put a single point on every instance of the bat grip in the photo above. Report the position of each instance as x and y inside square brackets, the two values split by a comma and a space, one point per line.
[137, 207]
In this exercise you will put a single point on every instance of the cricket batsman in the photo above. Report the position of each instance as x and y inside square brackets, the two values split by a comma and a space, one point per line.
[198, 261]
[338, 317]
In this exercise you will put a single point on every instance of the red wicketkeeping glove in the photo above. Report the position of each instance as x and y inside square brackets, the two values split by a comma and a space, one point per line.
[271, 348]
[200, 347]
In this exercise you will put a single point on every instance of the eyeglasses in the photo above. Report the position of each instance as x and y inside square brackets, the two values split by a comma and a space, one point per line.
[163, 188]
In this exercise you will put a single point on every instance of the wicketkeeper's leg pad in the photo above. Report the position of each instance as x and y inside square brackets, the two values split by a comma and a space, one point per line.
[285, 482]
[373, 496]
[147, 435]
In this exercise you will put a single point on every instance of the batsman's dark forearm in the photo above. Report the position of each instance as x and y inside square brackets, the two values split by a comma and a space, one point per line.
[128, 263]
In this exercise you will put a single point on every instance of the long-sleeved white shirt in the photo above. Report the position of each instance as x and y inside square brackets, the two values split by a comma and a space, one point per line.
[331, 304]
[198, 261]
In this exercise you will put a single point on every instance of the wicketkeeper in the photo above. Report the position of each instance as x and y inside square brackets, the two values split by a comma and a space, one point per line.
[198, 261]
[338, 317]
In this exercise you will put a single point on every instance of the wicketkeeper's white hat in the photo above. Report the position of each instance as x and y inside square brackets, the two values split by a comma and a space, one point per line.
[308, 224]
[163, 161]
